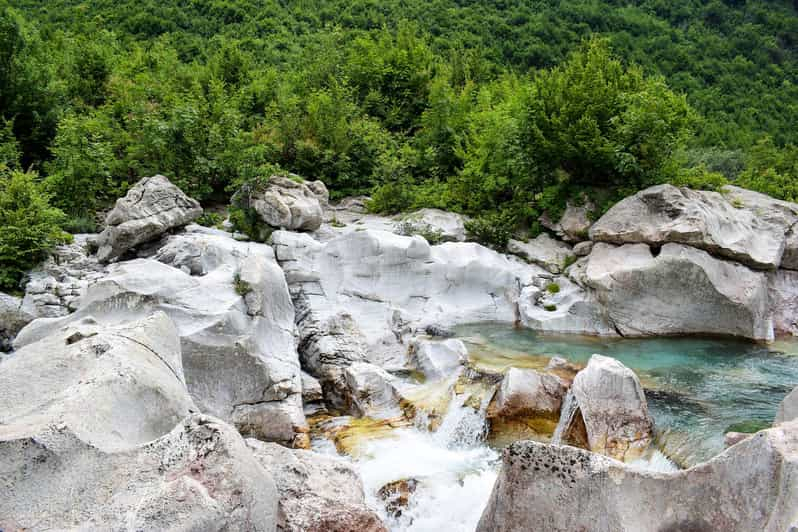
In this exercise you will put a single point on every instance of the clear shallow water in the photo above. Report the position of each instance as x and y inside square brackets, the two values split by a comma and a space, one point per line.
[697, 388]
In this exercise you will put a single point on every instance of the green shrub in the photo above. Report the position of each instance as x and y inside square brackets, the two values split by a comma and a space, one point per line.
[241, 287]
[29, 226]
[553, 288]
[569, 260]
[210, 219]
[550, 308]
[493, 229]
[410, 228]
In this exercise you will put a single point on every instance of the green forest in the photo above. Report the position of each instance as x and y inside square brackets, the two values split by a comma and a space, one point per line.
[499, 110]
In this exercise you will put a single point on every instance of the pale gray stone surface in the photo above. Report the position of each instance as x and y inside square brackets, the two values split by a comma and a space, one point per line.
[151, 207]
[437, 358]
[13, 317]
[526, 392]
[449, 226]
[605, 411]
[751, 486]
[199, 476]
[783, 301]
[738, 224]
[543, 250]
[574, 223]
[289, 204]
[788, 408]
[317, 493]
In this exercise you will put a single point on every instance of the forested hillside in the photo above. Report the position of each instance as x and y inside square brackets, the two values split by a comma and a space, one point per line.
[501, 110]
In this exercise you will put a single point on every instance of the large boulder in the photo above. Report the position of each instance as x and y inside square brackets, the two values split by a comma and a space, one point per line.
[544, 251]
[199, 476]
[114, 387]
[788, 408]
[444, 226]
[751, 486]
[738, 224]
[151, 207]
[605, 411]
[677, 290]
[285, 202]
[574, 223]
[235, 319]
[317, 493]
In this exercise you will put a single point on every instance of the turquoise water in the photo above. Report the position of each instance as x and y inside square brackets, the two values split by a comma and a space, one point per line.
[697, 388]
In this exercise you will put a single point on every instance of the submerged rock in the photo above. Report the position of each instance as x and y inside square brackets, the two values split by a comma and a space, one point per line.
[605, 411]
[751, 486]
[544, 251]
[317, 493]
[738, 224]
[396, 495]
[199, 476]
[151, 207]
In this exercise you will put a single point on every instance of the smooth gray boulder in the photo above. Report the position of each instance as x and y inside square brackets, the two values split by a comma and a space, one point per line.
[605, 411]
[437, 359]
[750, 486]
[286, 203]
[235, 320]
[199, 476]
[114, 387]
[680, 290]
[528, 393]
[370, 391]
[738, 224]
[150, 208]
[788, 408]
[544, 251]
[446, 226]
[317, 493]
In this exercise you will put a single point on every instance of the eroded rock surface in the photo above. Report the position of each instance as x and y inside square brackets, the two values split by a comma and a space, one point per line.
[151, 207]
[544, 251]
[605, 411]
[446, 226]
[286, 203]
[438, 358]
[317, 493]
[738, 224]
[199, 476]
[751, 486]
[235, 320]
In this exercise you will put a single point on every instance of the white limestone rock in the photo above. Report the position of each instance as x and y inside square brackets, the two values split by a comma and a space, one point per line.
[151, 207]
[681, 290]
[526, 392]
[239, 351]
[605, 411]
[544, 251]
[438, 359]
[199, 476]
[750, 486]
[13, 317]
[783, 301]
[448, 226]
[738, 224]
[286, 203]
[788, 408]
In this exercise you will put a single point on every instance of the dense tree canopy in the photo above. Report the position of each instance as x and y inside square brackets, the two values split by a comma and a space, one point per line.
[501, 110]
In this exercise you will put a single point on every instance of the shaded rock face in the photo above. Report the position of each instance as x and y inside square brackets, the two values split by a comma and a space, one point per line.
[151, 207]
[574, 224]
[738, 224]
[286, 203]
[55, 287]
[13, 317]
[112, 387]
[317, 493]
[783, 301]
[605, 411]
[447, 226]
[199, 476]
[234, 318]
[681, 290]
[751, 486]
[788, 408]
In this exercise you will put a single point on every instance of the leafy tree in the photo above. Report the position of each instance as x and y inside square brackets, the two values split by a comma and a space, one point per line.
[29, 226]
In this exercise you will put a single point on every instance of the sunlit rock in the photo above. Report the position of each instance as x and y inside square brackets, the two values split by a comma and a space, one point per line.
[544, 251]
[437, 358]
[151, 207]
[605, 411]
